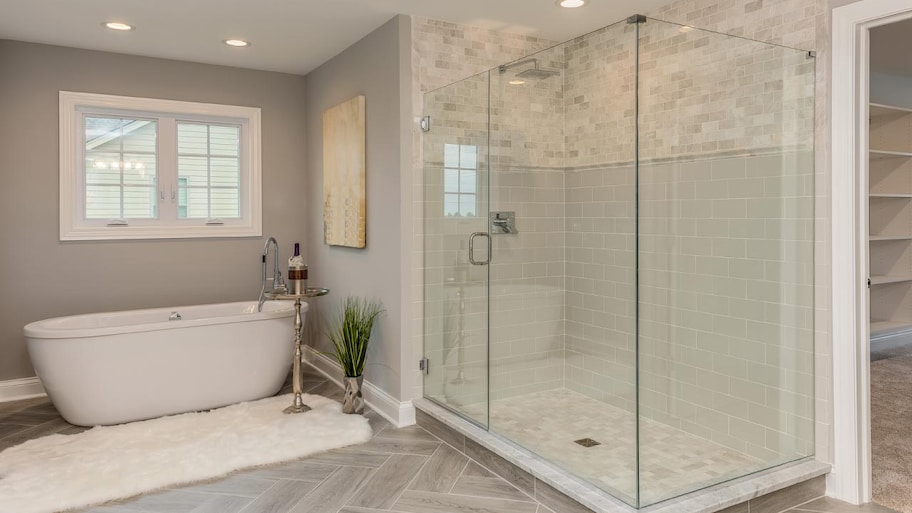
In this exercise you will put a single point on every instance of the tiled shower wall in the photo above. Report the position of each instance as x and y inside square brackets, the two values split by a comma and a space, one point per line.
[601, 283]
[792, 23]
[712, 361]
[726, 244]
[445, 53]
[726, 288]
[527, 268]
[798, 24]
[600, 84]
[700, 94]
[703, 94]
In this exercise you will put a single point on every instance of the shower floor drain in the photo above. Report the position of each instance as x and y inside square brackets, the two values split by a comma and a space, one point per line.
[587, 442]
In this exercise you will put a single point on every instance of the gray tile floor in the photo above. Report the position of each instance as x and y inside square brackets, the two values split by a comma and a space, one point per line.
[404, 470]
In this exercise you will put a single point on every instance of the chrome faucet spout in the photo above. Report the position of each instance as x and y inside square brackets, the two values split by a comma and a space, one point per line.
[278, 283]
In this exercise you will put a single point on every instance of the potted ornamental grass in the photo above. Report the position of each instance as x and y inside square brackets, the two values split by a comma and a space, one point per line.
[350, 336]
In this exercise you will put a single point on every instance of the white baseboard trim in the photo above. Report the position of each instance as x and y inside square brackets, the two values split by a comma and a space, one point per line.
[891, 340]
[399, 413]
[18, 389]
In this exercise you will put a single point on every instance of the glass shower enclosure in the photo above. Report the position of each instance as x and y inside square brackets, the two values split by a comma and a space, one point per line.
[618, 239]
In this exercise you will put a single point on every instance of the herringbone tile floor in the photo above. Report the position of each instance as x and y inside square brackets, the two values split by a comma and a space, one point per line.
[404, 470]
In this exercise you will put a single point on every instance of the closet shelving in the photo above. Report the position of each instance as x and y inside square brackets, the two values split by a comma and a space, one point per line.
[890, 218]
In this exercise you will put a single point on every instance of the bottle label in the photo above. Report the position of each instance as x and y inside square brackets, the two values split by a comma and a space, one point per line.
[297, 274]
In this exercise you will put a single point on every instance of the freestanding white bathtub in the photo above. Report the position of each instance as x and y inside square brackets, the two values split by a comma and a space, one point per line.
[110, 368]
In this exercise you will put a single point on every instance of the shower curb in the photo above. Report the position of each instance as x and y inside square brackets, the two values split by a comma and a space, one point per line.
[770, 491]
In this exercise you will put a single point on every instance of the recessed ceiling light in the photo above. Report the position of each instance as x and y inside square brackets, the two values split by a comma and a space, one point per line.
[116, 25]
[570, 4]
[517, 82]
[236, 42]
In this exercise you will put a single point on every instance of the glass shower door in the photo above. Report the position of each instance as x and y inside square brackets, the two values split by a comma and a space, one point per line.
[457, 247]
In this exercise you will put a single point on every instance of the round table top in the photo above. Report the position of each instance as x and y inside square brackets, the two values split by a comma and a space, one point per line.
[284, 295]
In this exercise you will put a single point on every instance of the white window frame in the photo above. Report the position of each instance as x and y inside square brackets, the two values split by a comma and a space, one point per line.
[73, 224]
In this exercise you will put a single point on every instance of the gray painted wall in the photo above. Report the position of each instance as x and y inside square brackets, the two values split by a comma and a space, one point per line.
[891, 89]
[42, 277]
[377, 67]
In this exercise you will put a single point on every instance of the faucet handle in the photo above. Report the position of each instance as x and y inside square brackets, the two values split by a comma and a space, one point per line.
[503, 222]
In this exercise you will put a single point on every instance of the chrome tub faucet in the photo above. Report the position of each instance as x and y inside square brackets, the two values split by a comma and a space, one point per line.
[278, 283]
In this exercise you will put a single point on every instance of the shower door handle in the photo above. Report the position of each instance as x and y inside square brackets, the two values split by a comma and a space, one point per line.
[472, 248]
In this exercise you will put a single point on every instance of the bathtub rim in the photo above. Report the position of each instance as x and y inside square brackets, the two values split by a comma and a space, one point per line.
[44, 329]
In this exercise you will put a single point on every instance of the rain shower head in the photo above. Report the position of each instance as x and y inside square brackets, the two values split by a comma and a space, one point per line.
[538, 73]
[535, 72]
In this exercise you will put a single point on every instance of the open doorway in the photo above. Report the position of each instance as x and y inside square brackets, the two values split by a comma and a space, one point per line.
[890, 262]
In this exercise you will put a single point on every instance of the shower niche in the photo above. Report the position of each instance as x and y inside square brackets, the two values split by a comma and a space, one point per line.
[656, 302]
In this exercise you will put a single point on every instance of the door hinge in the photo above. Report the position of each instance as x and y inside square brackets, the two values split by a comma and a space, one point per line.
[423, 365]
[869, 282]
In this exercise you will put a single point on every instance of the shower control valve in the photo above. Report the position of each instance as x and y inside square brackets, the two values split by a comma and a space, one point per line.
[503, 223]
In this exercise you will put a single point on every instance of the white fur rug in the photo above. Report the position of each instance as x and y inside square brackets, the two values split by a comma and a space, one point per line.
[61, 472]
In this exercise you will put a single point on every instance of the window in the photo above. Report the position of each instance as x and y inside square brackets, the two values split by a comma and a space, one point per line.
[460, 180]
[208, 171]
[137, 168]
[120, 168]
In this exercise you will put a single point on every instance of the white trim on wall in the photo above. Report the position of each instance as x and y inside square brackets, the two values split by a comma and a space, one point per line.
[850, 479]
[18, 389]
[399, 413]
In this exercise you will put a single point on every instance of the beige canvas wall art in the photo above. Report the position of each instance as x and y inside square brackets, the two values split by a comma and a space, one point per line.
[344, 156]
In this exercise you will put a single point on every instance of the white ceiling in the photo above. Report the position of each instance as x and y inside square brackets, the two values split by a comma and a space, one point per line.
[292, 36]
[890, 46]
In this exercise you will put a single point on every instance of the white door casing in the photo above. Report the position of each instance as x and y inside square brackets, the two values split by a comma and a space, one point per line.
[850, 479]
